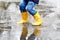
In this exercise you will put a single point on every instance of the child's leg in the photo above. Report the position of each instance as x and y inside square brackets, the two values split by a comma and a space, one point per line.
[34, 13]
[22, 7]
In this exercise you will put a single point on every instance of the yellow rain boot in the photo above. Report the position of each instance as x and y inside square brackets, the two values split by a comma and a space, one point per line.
[33, 36]
[37, 19]
[24, 33]
[24, 18]
[37, 31]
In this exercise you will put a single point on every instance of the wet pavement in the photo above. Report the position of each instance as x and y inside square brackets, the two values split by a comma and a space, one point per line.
[50, 29]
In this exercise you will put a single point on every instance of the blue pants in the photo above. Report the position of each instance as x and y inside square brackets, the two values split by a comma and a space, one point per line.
[27, 6]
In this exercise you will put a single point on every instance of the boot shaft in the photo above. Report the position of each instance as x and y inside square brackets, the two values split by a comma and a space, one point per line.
[24, 15]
